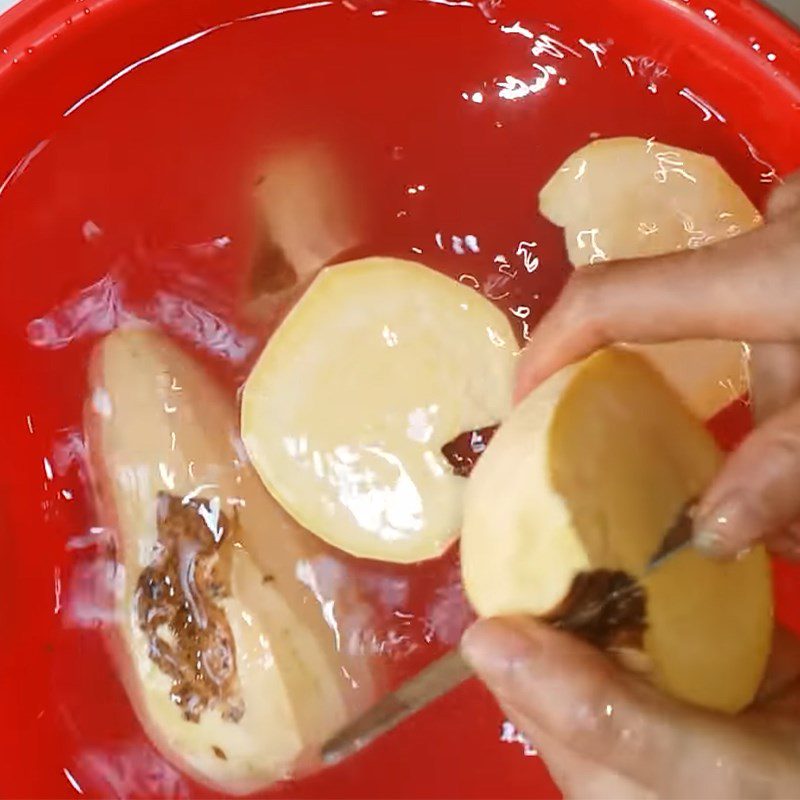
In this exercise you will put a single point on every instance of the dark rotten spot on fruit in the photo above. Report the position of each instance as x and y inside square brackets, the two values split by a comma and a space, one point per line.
[177, 606]
[271, 272]
[463, 452]
[219, 753]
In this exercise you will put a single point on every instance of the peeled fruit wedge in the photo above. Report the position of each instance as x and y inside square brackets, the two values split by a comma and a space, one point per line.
[583, 481]
[308, 213]
[307, 206]
[225, 654]
[379, 365]
[626, 198]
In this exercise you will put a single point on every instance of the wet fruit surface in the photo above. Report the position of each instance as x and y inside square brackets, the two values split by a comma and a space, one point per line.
[127, 188]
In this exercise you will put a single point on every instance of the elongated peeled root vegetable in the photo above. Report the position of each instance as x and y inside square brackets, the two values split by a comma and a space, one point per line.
[574, 495]
[228, 661]
[380, 364]
[626, 198]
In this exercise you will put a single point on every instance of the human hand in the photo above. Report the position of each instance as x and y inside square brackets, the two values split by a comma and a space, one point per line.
[605, 733]
[745, 288]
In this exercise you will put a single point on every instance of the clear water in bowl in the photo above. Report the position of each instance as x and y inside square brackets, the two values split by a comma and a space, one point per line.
[429, 129]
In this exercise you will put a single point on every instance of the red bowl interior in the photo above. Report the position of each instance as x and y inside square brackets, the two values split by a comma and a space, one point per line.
[130, 131]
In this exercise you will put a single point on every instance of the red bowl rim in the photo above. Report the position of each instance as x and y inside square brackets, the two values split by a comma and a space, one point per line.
[30, 23]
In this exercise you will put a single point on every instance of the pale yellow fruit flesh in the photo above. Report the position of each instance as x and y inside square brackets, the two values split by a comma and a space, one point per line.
[379, 365]
[588, 473]
[710, 629]
[626, 198]
[156, 422]
[259, 749]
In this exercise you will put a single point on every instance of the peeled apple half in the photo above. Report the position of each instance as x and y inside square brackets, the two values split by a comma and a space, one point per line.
[379, 365]
[225, 654]
[626, 198]
[583, 481]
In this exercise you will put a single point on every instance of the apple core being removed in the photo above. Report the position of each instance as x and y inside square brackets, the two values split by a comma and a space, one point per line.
[380, 364]
[585, 477]
[626, 198]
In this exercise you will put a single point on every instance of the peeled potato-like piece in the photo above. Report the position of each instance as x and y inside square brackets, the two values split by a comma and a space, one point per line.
[626, 198]
[587, 474]
[308, 213]
[380, 364]
[210, 567]
[307, 206]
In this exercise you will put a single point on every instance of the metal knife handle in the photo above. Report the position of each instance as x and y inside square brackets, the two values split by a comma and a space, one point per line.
[436, 679]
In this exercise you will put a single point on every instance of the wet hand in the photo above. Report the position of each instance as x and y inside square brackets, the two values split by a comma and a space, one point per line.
[742, 289]
[605, 733]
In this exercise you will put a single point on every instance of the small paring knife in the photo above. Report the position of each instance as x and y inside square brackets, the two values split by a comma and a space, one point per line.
[677, 539]
[438, 678]
[449, 671]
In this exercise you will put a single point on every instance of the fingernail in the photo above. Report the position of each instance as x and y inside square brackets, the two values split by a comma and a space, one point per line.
[722, 531]
[497, 649]
[709, 542]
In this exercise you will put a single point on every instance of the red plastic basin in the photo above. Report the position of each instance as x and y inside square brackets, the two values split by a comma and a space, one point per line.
[127, 131]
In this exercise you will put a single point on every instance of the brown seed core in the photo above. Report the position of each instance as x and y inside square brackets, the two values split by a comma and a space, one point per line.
[606, 608]
[177, 606]
[464, 451]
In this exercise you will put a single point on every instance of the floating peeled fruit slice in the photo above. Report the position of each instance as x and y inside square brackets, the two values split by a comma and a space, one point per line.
[226, 656]
[626, 198]
[579, 487]
[379, 365]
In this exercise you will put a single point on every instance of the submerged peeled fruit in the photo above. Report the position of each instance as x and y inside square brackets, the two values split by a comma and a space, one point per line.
[591, 471]
[225, 654]
[307, 207]
[626, 198]
[308, 214]
[179, 607]
[380, 364]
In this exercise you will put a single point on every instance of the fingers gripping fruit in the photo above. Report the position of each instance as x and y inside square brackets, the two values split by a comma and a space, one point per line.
[625, 198]
[593, 468]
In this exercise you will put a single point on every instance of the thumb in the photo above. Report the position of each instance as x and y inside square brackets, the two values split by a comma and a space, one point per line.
[554, 685]
[755, 494]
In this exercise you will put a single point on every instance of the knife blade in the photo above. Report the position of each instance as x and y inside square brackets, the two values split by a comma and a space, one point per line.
[438, 678]
[677, 538]
[449, 671]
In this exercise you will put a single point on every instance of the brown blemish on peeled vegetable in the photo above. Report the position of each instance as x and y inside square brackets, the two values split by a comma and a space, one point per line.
[463, 452]
[177, 606]
[605, 608]
[271, 273]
